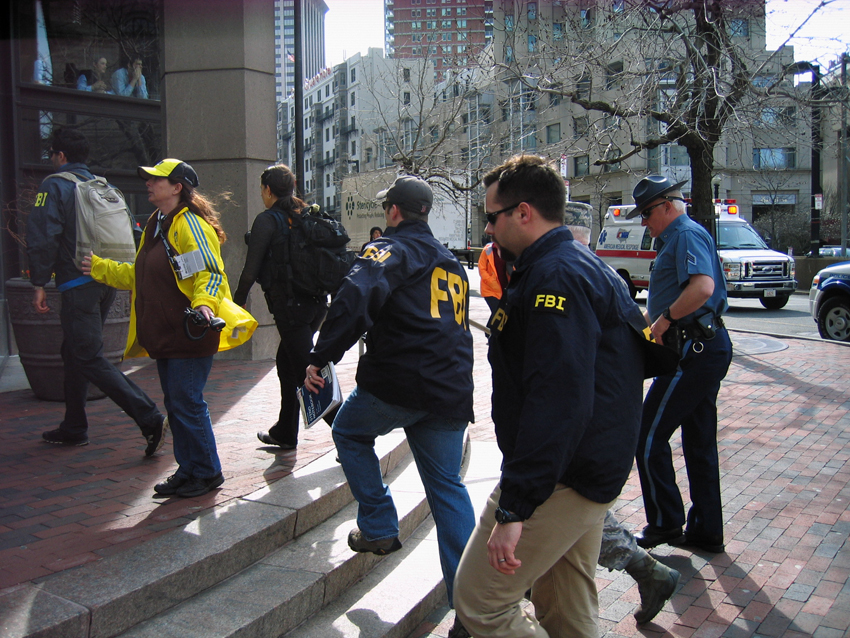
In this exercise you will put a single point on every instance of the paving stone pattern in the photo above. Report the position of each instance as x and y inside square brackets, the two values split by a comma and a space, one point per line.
[783, 436]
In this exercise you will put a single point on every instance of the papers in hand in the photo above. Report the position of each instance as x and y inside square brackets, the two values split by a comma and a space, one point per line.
[315, 406]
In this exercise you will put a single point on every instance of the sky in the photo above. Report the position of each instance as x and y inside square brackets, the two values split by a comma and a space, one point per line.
[352, 26]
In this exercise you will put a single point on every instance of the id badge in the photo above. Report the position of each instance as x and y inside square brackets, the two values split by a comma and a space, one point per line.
[189, 263]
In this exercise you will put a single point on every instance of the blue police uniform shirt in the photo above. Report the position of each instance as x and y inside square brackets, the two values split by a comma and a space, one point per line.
[686, 249]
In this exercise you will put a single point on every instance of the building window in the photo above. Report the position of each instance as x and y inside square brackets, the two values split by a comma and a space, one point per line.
[618, 6]
[532, 42]
[581, 165]
[739, 27]
[368, 154]
[327, 135]
[431, 24]
[509, 54]
[445, 12]
[580, 126]
[677, 156]
[461, 11]
[405, 73]
[352, 99]
[586, 18]
[416, 24]
[583, 86]
[406, 98]
[353, 147]
[328, 182]
[558, 31]
[773, 158]
[532, 11]
[553, 133]
[461, 24]
[353, 75]
[613, 75]
[509, 23]
[778, 116]
[430, 13]
[652, 163]
[611, 154]
[554, 99]
[446, 24]
[447, 37]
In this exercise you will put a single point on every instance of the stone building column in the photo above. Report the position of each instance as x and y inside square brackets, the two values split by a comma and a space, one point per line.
[220, 117]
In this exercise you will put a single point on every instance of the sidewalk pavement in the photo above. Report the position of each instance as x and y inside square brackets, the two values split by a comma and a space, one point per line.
[783, 438]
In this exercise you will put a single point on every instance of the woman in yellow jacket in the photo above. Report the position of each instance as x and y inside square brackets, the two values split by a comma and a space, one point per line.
[178, 265]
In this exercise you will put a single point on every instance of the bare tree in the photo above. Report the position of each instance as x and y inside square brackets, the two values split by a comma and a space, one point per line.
[661, 72]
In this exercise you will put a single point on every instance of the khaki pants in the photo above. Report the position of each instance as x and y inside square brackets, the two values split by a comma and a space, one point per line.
[558, 548]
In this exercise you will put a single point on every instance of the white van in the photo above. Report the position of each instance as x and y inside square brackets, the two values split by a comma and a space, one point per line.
[751, 268]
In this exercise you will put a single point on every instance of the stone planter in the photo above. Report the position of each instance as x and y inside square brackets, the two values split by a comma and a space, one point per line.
[39, 337]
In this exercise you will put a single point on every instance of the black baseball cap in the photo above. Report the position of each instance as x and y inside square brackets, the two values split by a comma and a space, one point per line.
[411, 193]
[649, 189]
[173, 169]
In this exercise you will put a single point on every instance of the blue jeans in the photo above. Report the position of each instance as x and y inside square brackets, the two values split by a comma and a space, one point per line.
[183, 382]
[437, 446]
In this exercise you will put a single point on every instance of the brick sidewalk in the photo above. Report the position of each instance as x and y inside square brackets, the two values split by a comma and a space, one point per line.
[783, 437]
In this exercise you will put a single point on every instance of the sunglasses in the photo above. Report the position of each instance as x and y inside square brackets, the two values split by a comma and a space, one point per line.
[386, 205]
[647, 212]
[491, 217]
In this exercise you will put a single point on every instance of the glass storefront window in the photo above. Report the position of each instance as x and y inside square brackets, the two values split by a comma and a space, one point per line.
[108, 47]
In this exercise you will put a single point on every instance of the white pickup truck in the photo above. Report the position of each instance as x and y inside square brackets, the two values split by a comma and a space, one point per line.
[751, 268]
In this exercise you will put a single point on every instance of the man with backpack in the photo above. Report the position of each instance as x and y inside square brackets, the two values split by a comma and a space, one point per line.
[51, 247]
[409, 295]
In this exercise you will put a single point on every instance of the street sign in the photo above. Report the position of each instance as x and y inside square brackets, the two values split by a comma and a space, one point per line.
[818, 202]
[564, 167]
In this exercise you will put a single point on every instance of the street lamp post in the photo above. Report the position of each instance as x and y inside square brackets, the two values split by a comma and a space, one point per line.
[817, 144]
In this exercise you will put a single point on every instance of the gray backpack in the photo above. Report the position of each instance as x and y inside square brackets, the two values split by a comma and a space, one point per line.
[104, 223]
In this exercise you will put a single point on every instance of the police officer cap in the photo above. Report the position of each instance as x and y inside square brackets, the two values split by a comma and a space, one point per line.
[651, 188]
[411, 193]
[579, 214]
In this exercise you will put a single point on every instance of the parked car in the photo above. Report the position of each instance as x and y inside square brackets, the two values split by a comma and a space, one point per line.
[828, 251]
[829, 301]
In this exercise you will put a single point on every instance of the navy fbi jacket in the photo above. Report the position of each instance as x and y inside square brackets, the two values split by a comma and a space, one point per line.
[410, 296]
[567, 376]
[52, 229]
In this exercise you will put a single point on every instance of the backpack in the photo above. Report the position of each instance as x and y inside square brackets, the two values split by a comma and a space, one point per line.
[105, 225]
[315, 260]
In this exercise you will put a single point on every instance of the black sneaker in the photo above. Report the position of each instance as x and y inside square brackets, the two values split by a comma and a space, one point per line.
[266, 438]
[199, 486]
[156, 437]
[359, 543]
[169, 486]
[61, 437]
[710, 544]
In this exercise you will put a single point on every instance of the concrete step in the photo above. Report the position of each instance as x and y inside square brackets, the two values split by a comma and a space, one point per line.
[393, 599]
[288, 586]
[318, 581]
[106, 598]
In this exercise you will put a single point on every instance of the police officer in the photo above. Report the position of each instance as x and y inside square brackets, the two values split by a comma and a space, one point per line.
[409, 295]
[563, 330]
[687, 293]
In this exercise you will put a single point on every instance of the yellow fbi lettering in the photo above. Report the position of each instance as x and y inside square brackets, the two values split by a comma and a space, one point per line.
[376, 254]
[547, 301]
[446, 284]
[40, 199]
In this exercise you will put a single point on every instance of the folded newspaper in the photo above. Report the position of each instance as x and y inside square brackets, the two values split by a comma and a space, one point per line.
[316, 406]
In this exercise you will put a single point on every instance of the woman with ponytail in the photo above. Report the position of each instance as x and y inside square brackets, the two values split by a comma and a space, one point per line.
[297, 317]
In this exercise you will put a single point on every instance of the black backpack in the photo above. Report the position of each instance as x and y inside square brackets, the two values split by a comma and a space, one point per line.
[315, 260]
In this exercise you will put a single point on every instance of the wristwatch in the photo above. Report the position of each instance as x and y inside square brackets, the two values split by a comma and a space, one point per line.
[503, 517]
[666, 315]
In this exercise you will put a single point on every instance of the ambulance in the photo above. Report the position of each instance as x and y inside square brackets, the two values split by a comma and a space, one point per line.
[751, 268]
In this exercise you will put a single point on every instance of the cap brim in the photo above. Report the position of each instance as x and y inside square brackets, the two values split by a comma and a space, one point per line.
[637, 210]
[150, 171]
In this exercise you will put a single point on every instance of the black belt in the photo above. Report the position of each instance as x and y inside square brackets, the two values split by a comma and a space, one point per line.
[694, 331]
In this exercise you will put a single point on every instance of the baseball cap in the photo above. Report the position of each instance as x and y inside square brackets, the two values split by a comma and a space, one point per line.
[173, 169]
[411, 193]
[651, 188]
[579, 214]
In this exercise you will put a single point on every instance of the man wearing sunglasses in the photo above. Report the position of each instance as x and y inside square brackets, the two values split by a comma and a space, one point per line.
[566, 326]
[687, 293]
